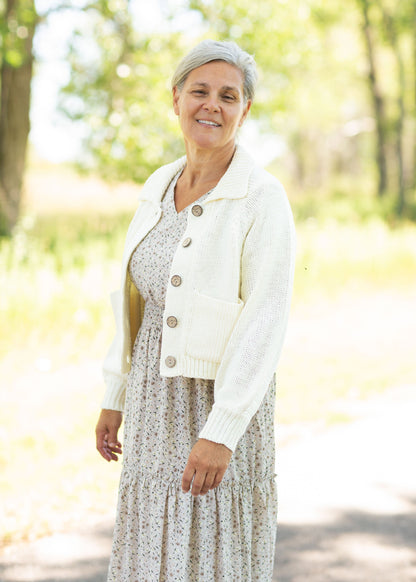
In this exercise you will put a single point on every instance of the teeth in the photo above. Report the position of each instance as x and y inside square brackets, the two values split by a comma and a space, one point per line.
[205, 122]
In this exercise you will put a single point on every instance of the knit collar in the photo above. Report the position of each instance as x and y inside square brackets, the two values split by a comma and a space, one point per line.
[233, 184]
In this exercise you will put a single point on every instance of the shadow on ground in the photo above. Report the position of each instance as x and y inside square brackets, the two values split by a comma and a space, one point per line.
[81, 556]
[355, 547]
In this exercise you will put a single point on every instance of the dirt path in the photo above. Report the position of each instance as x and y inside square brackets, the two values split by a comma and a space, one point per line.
[347, 508]
[348, 498]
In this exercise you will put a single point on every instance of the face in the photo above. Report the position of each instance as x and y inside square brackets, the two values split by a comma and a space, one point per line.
[211, 106]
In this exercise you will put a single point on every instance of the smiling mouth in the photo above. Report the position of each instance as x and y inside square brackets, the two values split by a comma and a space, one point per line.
[210, 123]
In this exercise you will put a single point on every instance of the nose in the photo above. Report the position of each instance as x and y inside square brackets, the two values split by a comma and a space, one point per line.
[211, 104]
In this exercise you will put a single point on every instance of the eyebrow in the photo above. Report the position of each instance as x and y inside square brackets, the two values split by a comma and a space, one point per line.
[225, 88]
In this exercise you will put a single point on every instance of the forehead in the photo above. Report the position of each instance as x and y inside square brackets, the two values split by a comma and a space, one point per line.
[218, 74]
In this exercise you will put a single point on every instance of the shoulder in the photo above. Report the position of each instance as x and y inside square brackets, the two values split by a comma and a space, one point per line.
[160, 178]
[263, 181]
[266, 195]
[258, 183]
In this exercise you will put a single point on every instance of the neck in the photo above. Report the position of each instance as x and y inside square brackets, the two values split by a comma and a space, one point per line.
[204, 166]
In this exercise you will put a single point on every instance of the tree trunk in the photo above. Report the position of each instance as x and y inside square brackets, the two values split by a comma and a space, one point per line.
[399, 124]
[14, 122]
[414, 96]
[378, 101]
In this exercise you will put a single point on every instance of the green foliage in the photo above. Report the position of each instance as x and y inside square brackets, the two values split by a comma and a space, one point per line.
[348, 202]
[57, 270]
[313, 87]
[275, 33]
[54, 269]
[64, 242]
[305, 87]
[15, 27]
[56, 265]
[121, 92]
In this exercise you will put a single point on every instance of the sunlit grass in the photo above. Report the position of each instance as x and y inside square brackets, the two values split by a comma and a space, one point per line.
[351, 335]
[54, 280]
[369, 256]
[56, 285]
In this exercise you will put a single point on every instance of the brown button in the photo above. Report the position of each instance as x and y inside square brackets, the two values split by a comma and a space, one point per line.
[172, 321]
[197, 210]
[187, 242]
[170, 361]
[176, 280]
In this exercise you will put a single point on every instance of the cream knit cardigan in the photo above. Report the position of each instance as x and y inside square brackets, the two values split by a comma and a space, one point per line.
[233, 303]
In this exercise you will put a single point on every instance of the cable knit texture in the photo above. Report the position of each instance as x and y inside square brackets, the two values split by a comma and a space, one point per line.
[232, 304]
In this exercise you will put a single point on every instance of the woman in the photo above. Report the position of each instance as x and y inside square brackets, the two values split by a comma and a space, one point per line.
[201, 314]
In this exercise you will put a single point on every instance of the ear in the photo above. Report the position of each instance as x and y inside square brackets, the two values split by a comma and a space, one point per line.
[245, 113]
[175, 94]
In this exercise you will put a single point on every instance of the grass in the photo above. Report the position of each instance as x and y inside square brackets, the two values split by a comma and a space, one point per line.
[350, 336]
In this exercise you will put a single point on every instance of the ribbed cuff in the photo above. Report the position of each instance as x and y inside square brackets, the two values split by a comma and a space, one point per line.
[224, 427]
[114, 396]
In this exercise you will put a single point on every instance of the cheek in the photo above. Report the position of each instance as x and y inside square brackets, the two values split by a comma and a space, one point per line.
[237, 120]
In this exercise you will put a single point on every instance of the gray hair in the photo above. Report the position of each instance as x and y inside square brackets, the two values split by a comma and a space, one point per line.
[212, 50]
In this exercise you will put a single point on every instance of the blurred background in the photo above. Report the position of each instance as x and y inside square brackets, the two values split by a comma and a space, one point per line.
[86, 115]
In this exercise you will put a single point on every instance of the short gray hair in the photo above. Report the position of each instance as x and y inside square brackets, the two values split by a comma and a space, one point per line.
[212, 50]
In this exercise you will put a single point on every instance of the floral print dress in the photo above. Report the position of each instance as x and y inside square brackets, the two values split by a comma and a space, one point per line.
[162, 534]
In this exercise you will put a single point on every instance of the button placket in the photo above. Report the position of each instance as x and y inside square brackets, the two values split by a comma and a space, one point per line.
[176, 281]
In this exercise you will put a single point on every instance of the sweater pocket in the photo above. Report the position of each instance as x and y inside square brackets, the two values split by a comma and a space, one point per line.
[211, 324]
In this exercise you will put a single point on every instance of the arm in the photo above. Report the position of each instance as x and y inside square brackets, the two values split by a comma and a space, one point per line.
[251, 356]
[252, 353]
[115, 366]
[117, 362]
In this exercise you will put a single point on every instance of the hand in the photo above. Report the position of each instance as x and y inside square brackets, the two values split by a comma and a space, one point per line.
[207, 464]
[106, 434]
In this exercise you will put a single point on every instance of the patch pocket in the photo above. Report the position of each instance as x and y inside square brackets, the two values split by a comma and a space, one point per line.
[211, 324]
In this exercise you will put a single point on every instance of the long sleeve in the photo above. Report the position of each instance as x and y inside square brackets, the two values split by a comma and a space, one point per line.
[253, 350]
[126, 330]
[114, 375]
[128, 308]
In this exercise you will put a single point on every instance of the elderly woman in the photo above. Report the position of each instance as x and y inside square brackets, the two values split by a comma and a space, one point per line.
[201, 315]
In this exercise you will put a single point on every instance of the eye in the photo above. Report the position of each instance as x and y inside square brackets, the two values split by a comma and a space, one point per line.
[229, 97]
[199, 92]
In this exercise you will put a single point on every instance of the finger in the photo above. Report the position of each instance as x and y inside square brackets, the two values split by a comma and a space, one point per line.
[218, 478]
[116, 447]
[187, 477]
[209, 481]
[102, 446]
[111, 451]
[198, 482]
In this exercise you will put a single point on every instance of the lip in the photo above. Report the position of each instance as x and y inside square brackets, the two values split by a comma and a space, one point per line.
[208, 123]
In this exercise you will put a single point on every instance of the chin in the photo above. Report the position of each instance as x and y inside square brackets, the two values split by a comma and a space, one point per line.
[206, 144]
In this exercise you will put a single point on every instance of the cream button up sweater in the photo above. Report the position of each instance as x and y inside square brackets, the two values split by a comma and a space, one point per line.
[233, 302]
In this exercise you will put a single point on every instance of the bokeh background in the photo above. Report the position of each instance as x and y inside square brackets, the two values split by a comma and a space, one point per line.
[334, 119]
